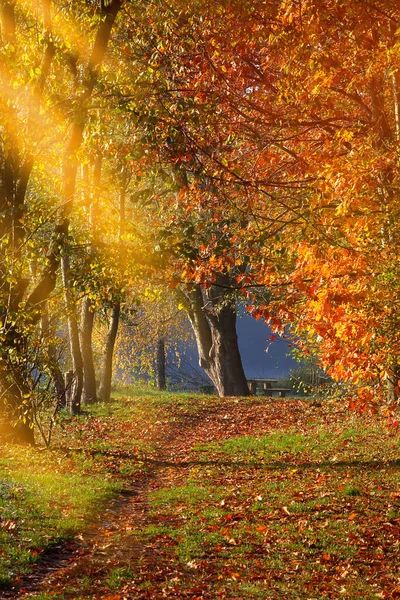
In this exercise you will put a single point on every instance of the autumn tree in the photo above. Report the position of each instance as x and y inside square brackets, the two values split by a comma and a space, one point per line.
[153, 331]
[37, 73]
[262, 139]
[345, 271]
[294, 119]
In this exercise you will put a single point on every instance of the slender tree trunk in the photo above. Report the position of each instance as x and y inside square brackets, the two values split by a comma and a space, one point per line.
[87, 322]
[392, 385]
[161, 382]
[70, 167]
[88, 308]
[213, 319]
[395, 77]
[54, 365]
[384, 137]
[106, 376]
[58, 378]
[73, 332]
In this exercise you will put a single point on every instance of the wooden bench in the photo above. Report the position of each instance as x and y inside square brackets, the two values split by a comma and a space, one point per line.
[266, 384]
[280, 391]
[267, 387]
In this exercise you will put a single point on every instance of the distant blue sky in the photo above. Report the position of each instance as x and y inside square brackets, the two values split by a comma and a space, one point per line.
[260, 356]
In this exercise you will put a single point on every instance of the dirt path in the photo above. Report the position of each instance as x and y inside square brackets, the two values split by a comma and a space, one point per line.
[81, 569]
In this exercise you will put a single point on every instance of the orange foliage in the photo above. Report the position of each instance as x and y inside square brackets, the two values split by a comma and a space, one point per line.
[286, 123]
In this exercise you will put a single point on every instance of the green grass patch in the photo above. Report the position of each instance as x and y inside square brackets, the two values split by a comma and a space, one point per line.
[297, 512]
[117, 577]
[272, 444]
[188, 494]
[299, 503]
[51, 495]
[41, 504]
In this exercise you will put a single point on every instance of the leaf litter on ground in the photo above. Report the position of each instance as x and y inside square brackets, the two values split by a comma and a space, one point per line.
[234, 498]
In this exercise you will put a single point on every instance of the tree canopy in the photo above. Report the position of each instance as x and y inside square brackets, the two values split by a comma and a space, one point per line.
[256, 147]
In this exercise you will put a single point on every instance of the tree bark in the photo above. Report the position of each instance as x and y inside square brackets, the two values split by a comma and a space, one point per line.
[392, 385]
[68, 384]
[226, 369]
[73, 332]
[161, 382]
[54, 365]
[106, 376]
[7, 13]
[88, 308]
[16, 424]
[212, 315]
[89, 373]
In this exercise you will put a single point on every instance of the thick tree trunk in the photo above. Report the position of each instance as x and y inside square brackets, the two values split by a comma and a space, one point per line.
[161, 382]
[106, 376]
[213, 319]
[226, 368]
[89, 373]
[73, 332]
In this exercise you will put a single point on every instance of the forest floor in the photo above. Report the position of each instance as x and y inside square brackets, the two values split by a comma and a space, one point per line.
[179, 496]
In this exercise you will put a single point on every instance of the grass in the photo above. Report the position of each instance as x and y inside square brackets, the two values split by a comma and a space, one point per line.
[254, 448]
[303, 504]
[52, 495]
[305, 512]
[188, 495]
[117, 577]
[41, 505]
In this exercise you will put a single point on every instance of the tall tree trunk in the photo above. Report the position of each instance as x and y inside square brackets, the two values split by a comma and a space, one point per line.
[54, 365]
[384, 137]
[73, 332]
[395, 77]
[213, 318]
[106, 376]
[89, 373]
[88, 308]
[109, 13]
[161, 382]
